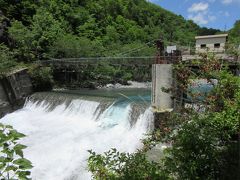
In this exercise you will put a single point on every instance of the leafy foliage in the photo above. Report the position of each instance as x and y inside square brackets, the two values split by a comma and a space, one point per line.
[204, 140]
[7, 61]
[12, 162]
[115, 165]
[42, 78]
[197, 150]
[202, 147]
[235, 33]
[71, 46]
[32, 42]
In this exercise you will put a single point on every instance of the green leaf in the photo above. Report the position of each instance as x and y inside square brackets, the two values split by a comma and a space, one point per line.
[23, 163]
[8, 127]
[23, 175]
[19, 146]
[18, 149]
[16, 134]
[11, 168]
[2, 165]
[19, 152]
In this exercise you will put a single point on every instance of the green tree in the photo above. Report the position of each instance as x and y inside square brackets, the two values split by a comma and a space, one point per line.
[7, 61]
[23, 38]
[33, 43]
[19, 10]
[42, 78]
[234, 34]
[72, 46]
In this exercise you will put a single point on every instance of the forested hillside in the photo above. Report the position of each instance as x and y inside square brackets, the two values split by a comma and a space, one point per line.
[38, 29]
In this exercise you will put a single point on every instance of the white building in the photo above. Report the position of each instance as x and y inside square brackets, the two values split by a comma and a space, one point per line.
[212, 43]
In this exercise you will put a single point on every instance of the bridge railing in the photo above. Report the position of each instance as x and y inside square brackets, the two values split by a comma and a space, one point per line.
[147, 60]
[139, 61]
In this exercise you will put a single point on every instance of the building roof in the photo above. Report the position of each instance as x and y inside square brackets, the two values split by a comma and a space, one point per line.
[211, 36]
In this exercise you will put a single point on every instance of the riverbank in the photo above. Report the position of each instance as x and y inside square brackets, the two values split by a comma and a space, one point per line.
[131, 85]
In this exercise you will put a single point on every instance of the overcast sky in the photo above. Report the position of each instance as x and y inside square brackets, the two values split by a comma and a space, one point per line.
[220, 14]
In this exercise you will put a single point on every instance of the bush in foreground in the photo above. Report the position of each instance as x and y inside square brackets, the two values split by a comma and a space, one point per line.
[13, 165]
[116, 165]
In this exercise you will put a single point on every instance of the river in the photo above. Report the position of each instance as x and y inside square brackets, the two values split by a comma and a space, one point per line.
[61, 126]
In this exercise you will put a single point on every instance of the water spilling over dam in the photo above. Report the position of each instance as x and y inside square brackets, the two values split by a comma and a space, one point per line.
[61, 130]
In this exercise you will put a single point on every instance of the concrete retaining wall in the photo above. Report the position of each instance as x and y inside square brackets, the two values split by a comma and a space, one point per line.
[14, 88]
[3, 95]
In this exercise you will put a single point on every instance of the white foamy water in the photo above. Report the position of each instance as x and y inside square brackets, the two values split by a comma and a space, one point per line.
[58, 139]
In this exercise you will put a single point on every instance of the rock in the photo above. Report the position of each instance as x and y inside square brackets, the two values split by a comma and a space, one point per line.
[109, 86]
[4, 24]
[117, 86]
[156, 153]
[5, 108]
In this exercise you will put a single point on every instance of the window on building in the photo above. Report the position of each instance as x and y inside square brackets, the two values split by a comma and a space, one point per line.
[203, 46]
[217, 45]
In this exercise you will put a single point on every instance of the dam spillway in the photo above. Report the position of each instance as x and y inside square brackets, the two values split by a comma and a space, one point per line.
[60, 132]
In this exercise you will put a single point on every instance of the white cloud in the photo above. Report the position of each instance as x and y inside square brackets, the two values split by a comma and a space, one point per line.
[198, 18]
[227, 1]
[200, 14]
[198, 7]
[202, 18]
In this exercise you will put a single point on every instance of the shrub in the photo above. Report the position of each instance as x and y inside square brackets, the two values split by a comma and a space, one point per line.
[13, 165]
[202, 146]
[42, 78]
[197, 150]
[7, 62]
[116, 165]
[127, 76]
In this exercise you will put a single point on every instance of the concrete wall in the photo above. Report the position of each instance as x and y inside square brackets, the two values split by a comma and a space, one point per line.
[3, 95]
[20, 84]
[14, 88]
[210, 44]
[162, 77]
[5, 106]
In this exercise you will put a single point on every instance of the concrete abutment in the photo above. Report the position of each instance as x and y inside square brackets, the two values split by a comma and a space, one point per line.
[14, 89]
